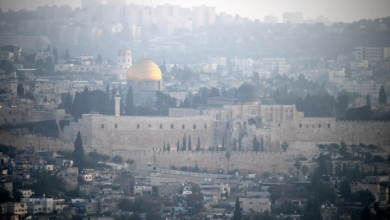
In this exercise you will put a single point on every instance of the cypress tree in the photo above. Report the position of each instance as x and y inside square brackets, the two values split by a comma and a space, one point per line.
[239, 143]
[67, 55]
[189, 143]
[223, 143]
[368, 100]
[184, 143]
[254, 143]
[129, 102]
[262, 145]
[164, 146]
[198, 147]
[99, 59]
[237, 210]
[382, 96]
[77, 106]
[108, 89]
[178, 146]
[78, 152]
[169, 147]
[86, 101]
[375, 170]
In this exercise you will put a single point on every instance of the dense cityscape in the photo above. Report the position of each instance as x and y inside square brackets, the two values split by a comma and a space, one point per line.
[119, 111]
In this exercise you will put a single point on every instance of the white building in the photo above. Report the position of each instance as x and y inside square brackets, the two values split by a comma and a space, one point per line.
[38, 205]
[243, 63]
[214, 59]
[337, 76]
[255, 204]
[203, 15]
[46, 167]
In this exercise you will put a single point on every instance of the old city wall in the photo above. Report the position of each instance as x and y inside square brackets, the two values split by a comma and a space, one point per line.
[35, 142]
[211, 161]
[141, 133]
[317, 130]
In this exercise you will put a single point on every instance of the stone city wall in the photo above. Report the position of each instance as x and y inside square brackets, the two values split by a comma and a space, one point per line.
[331, 130]
[141, 133]
[35, 142]
[211, 161]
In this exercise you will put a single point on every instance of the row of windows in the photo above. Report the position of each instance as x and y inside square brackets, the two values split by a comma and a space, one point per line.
[161, 126]
[307, 126]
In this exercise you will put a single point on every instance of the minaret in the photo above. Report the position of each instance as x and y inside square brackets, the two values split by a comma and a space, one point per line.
[117, 104]
[14, 84]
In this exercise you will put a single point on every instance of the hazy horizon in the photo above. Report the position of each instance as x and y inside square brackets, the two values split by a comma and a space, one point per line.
[335, 10]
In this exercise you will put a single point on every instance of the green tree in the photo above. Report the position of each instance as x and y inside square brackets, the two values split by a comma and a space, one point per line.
[126, 205]
[186, 103]
[77, 106]
[195, 199]
[168, 147]
[262, 144]
[164, 147]
[5, 196]
[129, 102]
[198, 146]
[228, 155]
[86, 101]
[366, 197]
[99, 59]
[345, 189]
[237, 210]
[284, 146]
[297, 165]
[343, 149]
[368, 100]
[177, 146]
[67, 55]
[305, 169]
[78, 152]
[184, 147]
[68, 103]
[382, 96]
[189, 143]
[366, 213]
[117, 159]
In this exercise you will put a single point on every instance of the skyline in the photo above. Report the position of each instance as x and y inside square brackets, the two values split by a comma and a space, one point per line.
[253, 9]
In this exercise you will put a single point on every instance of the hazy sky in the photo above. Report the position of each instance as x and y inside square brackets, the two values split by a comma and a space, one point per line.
[340, 10]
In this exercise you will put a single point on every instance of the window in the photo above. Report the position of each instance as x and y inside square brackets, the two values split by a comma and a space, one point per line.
[172, 126]
[160, 126]
[328, 125]
[312, 126]
[138, 126]
[205, 126]
[13, 120]
[307, 126]
[300, 125]
[319, 125]
[9, 112]
[194, 127]
[102, 125]
[149, 126]
[5, 120]
[116, 126]
[183, 126]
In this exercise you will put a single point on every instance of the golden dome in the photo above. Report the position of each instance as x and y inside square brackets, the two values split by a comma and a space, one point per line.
[144, 70]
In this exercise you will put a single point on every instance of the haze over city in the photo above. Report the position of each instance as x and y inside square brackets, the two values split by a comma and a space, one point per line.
[253, 9]
[230, 110]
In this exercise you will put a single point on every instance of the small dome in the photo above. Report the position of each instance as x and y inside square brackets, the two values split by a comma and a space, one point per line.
[144, 70]
[246, 92]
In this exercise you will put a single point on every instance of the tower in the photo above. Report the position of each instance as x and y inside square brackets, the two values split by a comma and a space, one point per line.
[14, 85]
[117, 104]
